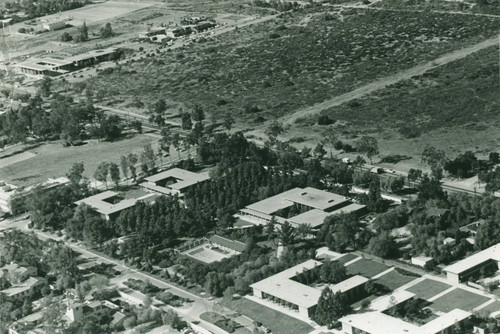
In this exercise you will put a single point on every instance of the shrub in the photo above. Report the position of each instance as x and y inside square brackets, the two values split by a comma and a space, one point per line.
[325, 120]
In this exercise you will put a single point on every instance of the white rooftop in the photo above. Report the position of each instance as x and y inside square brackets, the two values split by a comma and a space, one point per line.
[184, 178]
[492, 253]
[98, 203]
[381, 323]
[311, 197]
[282, 286]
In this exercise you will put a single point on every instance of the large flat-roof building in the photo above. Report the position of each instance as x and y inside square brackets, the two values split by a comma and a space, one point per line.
[293, 295]
[12, 198]
[299, 206]
[462, 270]
[109, 204]
[175, 181]
[54, 66]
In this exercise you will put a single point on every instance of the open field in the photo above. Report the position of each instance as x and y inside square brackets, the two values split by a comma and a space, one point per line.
[53, 160]
[278, 322]
[4, 162]
[394, 280]
[273, 69]
[366, 268]
[428, 288]
[458, 298]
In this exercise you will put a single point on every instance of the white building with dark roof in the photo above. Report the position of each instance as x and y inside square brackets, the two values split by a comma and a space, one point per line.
[109, 205]
[287, 292]
[175, 181]
[462, 270]
[299, 206]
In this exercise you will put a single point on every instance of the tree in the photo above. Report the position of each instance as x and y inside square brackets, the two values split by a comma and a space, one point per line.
[171, 318]
[165, 140]
[430, 188]
[383, 245]
[106, 31]
[124, 165]
[75, 173]
[186, 122]
[136, 125]
[101, 173]
[198, 115]
[286, 234]
[274, 129]
[369, 146]
[435, 159]
[176, 141]
[27, 307]
[414, 175]
[319, 151]
[114, 173]
[148, 157]
[228, 121]
[331, 306]
[132, 160]
[65, 37]
[331, 138]
[45, 86]
[83, 33]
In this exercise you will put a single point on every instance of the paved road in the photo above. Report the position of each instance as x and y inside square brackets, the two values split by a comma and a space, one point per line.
[190, 314]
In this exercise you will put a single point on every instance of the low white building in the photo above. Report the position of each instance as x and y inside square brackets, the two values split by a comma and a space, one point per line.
[421, 261]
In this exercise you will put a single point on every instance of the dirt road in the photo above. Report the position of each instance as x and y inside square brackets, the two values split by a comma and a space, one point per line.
[389, 80]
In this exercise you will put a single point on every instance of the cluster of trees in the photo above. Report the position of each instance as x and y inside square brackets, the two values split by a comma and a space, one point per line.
[281, 6]
[331, 306]
[66, 120]
[34, 9]
[331, 272]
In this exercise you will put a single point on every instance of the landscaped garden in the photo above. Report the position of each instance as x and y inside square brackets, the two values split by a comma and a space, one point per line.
[394, 280]
[458, 298]
[428, 288]
[278, 322]
[366, 268]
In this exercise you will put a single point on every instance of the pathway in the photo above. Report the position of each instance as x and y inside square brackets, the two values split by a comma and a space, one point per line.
[387, 81]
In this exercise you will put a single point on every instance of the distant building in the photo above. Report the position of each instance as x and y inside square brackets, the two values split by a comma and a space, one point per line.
[421, 261]
[299, 206]
[283, 290]
[55, 25]
[12, 198]
[175, 181]
[378, 321]
[15, 273]
[54, 67]
[25, 289]
[470, 266]
[109, 203]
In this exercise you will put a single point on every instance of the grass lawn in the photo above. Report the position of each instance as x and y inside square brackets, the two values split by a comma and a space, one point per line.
[54, 160]
[346, 258]
[493, 307]
[366, 268]
[458, 298]
[428, 288]
[278, 322]
[394, 280]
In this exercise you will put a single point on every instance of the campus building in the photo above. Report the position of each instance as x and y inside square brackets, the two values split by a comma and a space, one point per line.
[54, 67]
[54, 25]
[472, 265]
[25, 289]
[283, 290]
[109, 203]
[378, 321]
[175, 181]
[13, 198]
[299, 206]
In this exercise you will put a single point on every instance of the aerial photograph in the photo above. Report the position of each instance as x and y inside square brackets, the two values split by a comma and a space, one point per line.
[250, 166]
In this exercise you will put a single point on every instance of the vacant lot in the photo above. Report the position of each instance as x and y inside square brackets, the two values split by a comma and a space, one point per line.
[458, 298]
[428, 288]
[366, 268]
[278, 322]
[394, 280]
[53, 160]
[272, 69]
